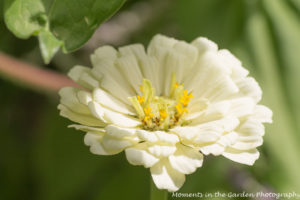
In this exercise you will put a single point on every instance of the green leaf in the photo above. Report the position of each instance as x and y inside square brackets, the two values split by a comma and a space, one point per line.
[74, 22]
[280, 138]
[49, 45]
[65, 23]
[287, 33]
[24, 17]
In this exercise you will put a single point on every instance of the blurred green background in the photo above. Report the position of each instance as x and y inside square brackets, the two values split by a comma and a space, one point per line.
[41, 159]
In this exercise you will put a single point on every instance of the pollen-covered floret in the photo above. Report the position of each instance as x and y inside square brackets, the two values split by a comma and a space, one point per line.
[161, 112]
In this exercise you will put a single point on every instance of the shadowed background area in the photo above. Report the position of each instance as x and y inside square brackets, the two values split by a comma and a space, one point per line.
[44, 160]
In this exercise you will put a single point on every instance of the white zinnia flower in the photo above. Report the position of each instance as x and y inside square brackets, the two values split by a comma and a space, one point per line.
[167, 106]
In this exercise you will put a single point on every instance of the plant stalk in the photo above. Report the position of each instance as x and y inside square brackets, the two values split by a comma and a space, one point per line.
[156, 194]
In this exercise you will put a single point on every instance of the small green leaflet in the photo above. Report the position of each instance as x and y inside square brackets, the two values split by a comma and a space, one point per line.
[65, 24]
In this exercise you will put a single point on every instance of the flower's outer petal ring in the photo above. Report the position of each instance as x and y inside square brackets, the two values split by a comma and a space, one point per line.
[116, 145]
[82, 76]
[165, 177]
[262, 114]
[138, 155]
[241, 156]
[186, 159]
[112, 117]
[69, 98]
[119, 132]
[87, 120]
[110, 102]
[94, 141]
[161, 136]
[88, 128]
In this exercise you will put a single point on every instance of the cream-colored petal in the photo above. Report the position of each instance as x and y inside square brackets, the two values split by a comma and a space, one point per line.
[138, 155]
[228, 139]
[147, 136]
[238, 107]
[84, 97]
[189, 54]
[159, 150]
[129, 67]
[186, 159]
[158, 136]
[248, 87]
[97, 111]
[94, 141]
[214, 149]
[158, 42]
[88, 120]
[68, 97]
[117, 89]
[165, 177]
[148, 65]
[208, 73]
[245, 157]
[104, 53]
[262, 114]
[76, 72]
[199, 135]
[179, 60]
[212, 112]
[97, 130]
[196, 107]
[249, 144]
[119, 132]
[221, 88]
[203, 45]
[112, 79]
[137, 50]
[251, 127]
[174, 63]
[238, 71]
[82, 76]
[168, 138]
[111, 102]
[241, 107]
[151, 68]
[159, 48]
[112, 117]
[207, 132]
[115, 145]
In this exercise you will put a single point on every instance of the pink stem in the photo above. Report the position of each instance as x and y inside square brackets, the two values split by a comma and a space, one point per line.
[37, 77]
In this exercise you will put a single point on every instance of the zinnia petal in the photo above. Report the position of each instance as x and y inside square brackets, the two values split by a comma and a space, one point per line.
[165, 177]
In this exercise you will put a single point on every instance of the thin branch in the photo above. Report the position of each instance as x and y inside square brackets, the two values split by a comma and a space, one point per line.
[37, 78]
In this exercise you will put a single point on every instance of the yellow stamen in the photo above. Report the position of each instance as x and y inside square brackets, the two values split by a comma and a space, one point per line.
[180, 109]
[176, 85]
[185, 99]
[148, 114]
[163, 114]
[141, 99]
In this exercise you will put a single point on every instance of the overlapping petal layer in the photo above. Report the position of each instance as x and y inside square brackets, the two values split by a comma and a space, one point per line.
[223, 118]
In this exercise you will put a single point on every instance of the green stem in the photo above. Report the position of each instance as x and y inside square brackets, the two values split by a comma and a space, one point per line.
[156, 194]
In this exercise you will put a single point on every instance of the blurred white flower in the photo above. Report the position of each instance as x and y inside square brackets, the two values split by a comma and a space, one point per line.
[167, 106]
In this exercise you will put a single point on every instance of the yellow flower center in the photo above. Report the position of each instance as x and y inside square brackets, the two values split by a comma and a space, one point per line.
[161, 112]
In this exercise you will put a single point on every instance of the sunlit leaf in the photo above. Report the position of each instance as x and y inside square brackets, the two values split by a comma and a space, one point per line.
[71, 22]
[49, 45]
